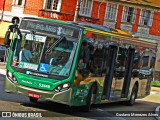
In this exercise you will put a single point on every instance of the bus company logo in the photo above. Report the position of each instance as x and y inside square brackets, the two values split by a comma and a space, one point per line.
[157, 111]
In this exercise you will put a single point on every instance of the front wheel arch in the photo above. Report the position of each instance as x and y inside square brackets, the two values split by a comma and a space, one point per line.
[91, 97]
[133, 95]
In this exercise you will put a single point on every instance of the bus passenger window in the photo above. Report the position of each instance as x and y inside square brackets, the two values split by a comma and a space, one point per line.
[121, 63]
[145, 61]
[96, 62]
[84, 57]
[153, 59]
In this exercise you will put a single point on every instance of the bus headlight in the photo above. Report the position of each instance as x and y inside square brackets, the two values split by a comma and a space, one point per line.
[11, 77]
[62, 87]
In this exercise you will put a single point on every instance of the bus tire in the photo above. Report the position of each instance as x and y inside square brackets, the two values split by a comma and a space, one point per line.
[90, 99]
[133, 96]
[34, 100]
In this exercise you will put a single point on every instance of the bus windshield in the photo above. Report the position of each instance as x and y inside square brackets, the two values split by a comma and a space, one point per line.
[44, 54]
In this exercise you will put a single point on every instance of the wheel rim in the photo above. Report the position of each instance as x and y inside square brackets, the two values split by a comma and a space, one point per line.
[133, 97]
[92, 98]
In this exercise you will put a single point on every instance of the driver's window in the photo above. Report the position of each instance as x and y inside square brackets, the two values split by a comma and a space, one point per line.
[48, 43]
[61, 57]
[60, 53]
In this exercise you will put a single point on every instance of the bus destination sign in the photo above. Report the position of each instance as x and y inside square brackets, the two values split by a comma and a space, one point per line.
[49, 28]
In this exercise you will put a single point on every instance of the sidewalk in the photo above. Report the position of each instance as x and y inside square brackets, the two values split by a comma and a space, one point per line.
[155, 90]
[3, 68]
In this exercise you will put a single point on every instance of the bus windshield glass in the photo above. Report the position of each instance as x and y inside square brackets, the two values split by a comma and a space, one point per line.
[44, 53]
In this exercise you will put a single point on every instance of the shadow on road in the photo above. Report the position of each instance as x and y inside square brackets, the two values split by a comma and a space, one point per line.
[59, 110]
[101, 110]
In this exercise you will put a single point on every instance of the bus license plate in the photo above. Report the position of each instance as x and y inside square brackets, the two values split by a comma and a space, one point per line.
[33, 95]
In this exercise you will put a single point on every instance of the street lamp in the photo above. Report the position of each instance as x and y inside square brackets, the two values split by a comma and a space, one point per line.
[77, 10]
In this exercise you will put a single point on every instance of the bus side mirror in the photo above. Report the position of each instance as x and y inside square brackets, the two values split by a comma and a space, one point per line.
[7, 38]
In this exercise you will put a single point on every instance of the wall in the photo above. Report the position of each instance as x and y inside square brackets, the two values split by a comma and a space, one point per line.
[1, 4]
[98, 11]
[32, 7]
[135, 25]
[155, 29]
[8, 5]
[68, 6]
[119, 16]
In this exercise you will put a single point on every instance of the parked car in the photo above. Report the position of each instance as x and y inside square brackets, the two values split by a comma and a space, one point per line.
[3, 48]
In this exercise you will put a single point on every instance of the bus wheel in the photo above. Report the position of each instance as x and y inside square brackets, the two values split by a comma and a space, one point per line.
[34, 100]
[90, 99]
[133, 96]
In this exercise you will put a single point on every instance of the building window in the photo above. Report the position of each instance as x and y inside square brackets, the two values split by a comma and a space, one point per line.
[146, 17]
[53, 5]
[129, 14]
[111, 11]
[18, 2]
[85, 7]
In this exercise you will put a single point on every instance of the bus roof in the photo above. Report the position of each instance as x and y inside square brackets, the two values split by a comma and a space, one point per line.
[46, 19]
[102, 30]
[127, 37]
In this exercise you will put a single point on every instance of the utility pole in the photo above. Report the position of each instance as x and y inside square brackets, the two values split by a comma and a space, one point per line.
[3, 10]
[77, 10]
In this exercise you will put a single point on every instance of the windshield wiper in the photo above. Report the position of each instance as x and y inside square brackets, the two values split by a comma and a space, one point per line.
[56, 43]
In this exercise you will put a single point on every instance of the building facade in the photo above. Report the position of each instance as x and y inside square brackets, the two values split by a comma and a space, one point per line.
[139, 19]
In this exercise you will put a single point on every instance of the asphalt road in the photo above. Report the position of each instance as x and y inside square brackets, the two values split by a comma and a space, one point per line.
[15, 102]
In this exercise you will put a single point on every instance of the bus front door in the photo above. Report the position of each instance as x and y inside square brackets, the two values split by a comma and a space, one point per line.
[128, 73]
[123, 72]
[108, 86]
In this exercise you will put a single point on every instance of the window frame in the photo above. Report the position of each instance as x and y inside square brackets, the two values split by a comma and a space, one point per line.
[58, 5]
[143, 17]
[111, 7]
[82, 11]
[126, 14]
[16, 3]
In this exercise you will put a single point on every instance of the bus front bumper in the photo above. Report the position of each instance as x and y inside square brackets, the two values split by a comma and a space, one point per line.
[59, 97]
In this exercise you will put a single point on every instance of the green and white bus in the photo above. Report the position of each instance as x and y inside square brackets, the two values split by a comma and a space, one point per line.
[77, 64]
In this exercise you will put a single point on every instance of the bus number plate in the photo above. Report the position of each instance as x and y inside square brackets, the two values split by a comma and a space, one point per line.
[33, 95]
